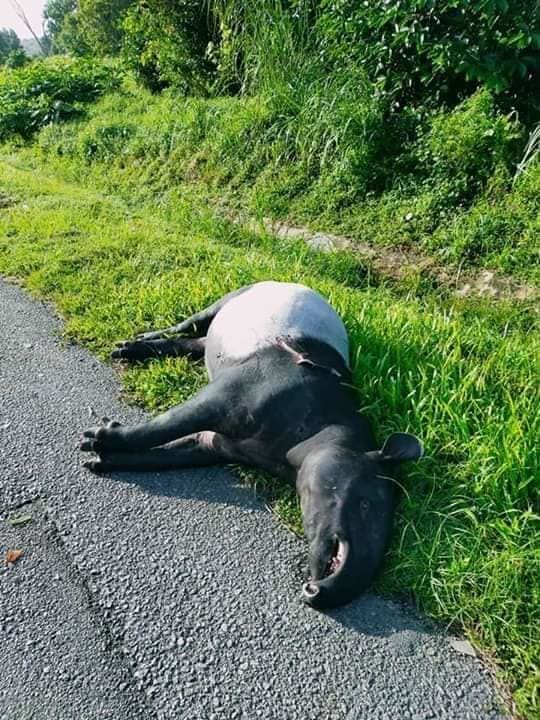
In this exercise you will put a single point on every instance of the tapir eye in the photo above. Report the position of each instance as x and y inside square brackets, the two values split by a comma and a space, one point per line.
[364, 506]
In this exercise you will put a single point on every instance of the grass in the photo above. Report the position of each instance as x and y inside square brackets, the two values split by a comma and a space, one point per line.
[330, 156]
[119, 247]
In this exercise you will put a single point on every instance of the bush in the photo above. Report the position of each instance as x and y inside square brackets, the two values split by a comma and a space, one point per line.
[17, 59]
[463, 149]
[501, 231]
[439, 50]
[104, 142]
[167, 43]
[47, 91]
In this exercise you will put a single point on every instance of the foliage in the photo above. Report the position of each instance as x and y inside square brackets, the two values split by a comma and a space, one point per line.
[166, 43]
[16, 59]
[267, 44]
[100, 23]
[54, 14]
[86, 27]
[432, 49]
[389, 122]
[57, 16]
[332, 161]
[9, 43]
[46, 91]
[410, 50]
[102, 143]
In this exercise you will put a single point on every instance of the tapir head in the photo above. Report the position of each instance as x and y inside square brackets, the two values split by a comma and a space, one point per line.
[347, 500]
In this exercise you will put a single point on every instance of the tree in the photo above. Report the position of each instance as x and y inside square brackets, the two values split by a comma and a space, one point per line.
[17, 58]
[57, 17]
[86, 27]
[100, 24]
[9, 42]
[172, 43]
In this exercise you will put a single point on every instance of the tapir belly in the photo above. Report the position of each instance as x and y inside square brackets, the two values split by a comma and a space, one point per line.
[265, 312]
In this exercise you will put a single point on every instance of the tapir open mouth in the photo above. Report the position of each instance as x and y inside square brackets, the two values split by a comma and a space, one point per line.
[312, 589]
[336, 559]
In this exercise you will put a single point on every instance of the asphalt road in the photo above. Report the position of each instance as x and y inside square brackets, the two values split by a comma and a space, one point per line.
[175, 595]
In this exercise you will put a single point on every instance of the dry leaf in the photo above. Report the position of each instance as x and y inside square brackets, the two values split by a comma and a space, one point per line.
[13, 555]
[21, 520]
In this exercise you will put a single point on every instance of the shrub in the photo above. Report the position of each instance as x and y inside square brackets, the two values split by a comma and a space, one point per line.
[166, 43]
[423, 48]
[501, 231]
[464, 148]
[16, 59]
[104, 142]
[47, 91]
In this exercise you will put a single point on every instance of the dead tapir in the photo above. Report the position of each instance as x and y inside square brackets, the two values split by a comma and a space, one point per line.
[279, 398]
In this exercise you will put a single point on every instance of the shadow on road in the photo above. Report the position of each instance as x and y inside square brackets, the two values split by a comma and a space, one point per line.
[193, 484]
[369, 615]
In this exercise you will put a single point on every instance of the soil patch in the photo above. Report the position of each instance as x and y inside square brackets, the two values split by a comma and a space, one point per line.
[403, 262]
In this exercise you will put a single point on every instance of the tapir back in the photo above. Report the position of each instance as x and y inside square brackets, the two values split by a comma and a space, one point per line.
[265, 312]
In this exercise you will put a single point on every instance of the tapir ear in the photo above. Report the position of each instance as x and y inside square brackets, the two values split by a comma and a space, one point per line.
[401, 446]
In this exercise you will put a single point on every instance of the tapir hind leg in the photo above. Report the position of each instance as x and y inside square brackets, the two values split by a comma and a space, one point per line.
[206, 448]
[197, 325]
[166, 347]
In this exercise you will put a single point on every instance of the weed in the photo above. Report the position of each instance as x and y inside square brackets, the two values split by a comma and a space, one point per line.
[47, 91]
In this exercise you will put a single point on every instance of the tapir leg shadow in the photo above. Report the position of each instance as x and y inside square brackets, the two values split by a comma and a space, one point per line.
[192, 451]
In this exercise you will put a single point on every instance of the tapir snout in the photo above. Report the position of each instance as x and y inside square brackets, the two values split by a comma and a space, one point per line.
[347, 500]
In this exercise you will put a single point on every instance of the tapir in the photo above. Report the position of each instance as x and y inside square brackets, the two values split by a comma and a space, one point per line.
[280, 398]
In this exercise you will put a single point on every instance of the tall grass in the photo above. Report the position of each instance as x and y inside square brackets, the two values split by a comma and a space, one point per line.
[530, 153]
[320, 118]
[331, 157]
[265, 44]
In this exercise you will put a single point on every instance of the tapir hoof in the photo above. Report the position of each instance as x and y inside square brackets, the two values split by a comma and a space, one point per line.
[104, 437]
[133, 350]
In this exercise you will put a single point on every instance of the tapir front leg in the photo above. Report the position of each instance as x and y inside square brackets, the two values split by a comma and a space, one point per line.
[204, 448]
[206, 411]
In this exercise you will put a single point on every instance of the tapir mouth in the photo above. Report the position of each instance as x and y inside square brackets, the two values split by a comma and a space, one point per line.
[311, 591]
[336, 559]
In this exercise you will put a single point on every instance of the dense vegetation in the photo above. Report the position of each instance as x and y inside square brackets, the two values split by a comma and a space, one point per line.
[411, 123]
[46, 92]
[408, 49]
[11, 50]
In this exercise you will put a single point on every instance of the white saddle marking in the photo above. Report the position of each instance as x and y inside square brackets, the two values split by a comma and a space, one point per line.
[267, 311]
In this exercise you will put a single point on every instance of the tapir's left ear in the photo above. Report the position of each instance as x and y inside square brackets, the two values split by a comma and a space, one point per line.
[401, 446]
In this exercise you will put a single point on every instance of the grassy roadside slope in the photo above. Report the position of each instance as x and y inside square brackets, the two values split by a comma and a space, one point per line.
[459, 373]
[449, 191]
